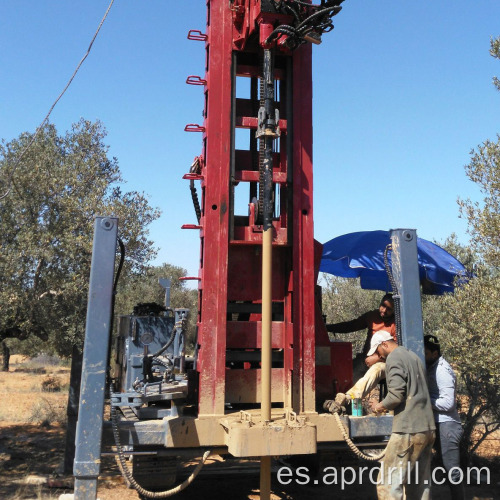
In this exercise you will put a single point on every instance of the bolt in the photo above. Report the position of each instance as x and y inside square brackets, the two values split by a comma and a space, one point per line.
[107, 224]
[407, 235]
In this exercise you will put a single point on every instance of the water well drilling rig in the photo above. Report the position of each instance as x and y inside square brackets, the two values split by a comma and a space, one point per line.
[263, 362]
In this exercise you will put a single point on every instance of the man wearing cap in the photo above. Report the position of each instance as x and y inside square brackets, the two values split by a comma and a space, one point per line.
[408, 451]
[365, 385]
[381, 319]
[442, 389]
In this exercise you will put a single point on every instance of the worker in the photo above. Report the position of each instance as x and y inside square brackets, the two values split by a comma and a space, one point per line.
[407, 460]
[364, 386]
[442, 384]
[381, 319]
[374, 321]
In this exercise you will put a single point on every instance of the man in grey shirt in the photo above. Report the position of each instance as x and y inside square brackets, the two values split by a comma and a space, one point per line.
[442, 389]
[405, 468]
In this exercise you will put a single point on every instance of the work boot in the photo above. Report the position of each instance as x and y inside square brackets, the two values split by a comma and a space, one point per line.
[331, 406]
[342, 399]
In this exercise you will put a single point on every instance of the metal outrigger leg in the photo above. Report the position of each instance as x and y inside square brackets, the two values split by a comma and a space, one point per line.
[407, 283]
[95, 358]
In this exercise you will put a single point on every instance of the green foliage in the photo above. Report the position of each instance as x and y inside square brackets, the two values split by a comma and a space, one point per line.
[483, 218]
[471, 333]
[433, 306]
[471, 321]
[471, 341]
[495, 52]
[46, 223]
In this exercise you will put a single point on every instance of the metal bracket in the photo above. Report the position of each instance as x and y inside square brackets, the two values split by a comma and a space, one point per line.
[263, 128]
[197, 35]
[246, 418]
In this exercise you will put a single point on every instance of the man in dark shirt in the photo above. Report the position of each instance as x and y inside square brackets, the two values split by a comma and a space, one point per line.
[406, 465]
[381, 319]
[374, 321]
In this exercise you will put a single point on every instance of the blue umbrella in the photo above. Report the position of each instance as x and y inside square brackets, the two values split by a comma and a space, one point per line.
[361, 255]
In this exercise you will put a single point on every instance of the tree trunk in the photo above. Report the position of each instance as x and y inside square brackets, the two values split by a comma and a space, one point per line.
[6, 356]
[72, 409]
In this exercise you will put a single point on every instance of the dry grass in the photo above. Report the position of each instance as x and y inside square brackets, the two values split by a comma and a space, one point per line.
[23, 393]
[32, 434]
[27, 490]
[45, 413]
[51, 383]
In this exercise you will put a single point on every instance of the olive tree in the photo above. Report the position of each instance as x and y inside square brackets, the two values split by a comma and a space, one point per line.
[471, 325]
[46, 221]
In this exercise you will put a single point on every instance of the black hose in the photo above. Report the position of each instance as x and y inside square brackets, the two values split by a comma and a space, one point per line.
[113, 300]
[115, 284]
[284, 29]
[130, 478]
[196, 201]
[297, 33]
[167, 345]
[195, 169]
[335, 10]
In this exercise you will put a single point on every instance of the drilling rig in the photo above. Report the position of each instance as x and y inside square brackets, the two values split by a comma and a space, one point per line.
[263, 363]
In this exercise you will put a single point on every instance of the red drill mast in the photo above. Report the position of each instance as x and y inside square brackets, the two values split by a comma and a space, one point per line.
[231, 169]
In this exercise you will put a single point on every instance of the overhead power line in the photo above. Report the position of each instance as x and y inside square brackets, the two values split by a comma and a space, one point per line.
[33, 138]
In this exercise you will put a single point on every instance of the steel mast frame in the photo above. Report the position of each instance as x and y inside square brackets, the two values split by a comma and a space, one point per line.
[229, 269]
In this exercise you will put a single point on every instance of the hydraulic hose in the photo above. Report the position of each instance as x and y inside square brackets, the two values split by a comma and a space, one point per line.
[352, 446]
[130, 478]
[195, 169]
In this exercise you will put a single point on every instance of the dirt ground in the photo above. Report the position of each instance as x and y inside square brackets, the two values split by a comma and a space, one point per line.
[32, 452]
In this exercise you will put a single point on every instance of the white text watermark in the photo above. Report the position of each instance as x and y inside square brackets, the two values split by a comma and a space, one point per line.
[348, 476]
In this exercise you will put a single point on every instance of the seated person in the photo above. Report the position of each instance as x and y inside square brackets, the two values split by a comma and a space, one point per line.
[374, 321]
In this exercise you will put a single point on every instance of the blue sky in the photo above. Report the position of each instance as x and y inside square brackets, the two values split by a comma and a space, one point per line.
[402, 93]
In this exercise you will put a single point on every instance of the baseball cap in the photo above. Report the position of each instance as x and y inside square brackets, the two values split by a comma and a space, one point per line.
[377, 339]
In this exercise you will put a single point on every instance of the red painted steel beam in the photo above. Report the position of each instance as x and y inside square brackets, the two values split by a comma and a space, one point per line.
[303, 231]
[214, 279]
[230, 260]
